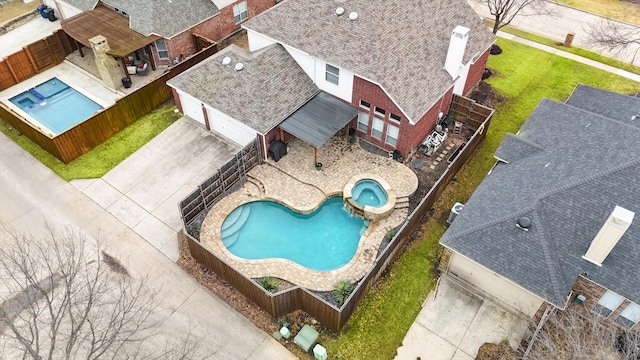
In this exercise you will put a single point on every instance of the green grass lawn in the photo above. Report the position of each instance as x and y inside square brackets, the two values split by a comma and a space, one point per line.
[107, 155]
[381, 321]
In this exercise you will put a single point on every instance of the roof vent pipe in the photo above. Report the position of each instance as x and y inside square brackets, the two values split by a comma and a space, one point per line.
[353, 16]
[239, 67]
[524, 223]
[226, 61]
[340, 11]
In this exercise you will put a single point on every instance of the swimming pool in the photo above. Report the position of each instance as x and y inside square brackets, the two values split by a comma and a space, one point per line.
[324, 240]
[55, 105]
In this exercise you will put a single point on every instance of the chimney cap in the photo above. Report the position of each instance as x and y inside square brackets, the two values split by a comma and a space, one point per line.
[524, 223]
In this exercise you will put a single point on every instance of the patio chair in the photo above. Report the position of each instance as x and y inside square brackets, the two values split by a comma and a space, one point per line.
[143, 69]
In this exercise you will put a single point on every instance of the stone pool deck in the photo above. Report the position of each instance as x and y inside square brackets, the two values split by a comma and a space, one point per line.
[295, 182]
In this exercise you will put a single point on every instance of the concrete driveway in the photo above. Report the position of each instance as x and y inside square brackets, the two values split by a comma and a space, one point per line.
[454, 322]
[31, 194]
[144, 190]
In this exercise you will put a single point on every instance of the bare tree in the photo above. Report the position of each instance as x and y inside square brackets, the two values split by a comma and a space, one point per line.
[615, 37]
[64, 298]
[504, 11]
[575, 334]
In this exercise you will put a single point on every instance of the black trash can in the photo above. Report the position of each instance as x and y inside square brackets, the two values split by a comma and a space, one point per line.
[50, 14]
[41, 10]
[126, 82]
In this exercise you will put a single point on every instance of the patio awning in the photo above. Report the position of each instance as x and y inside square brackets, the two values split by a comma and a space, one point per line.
[108, 23]
[319, 119]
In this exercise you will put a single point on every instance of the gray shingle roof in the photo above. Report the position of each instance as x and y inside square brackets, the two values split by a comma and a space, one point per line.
[166, 18]
[586, 164]
[401, 45]
[269, 88]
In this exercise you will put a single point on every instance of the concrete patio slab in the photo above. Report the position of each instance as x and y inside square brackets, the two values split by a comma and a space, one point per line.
[454, 316]
[101, 192]
[154, 231]
[127, 211]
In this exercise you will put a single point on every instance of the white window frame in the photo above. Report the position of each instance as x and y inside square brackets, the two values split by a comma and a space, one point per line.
[240, 12]
[365, 104]
[391, 139]
[332, 74]
[395, 118]
[363, 122]
[377, 127]
[162, 49]
[629, 316]
[608, 303]
[379, 111]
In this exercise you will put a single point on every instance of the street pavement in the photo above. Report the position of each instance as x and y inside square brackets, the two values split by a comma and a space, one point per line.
[31, 195]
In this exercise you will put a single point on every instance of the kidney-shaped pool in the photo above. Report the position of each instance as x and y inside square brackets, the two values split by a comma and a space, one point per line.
[324, 240]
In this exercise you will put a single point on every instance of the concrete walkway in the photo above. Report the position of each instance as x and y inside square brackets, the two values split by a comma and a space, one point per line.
[26, 34]
[31, 194]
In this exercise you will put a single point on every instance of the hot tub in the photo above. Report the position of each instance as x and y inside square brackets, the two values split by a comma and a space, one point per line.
[369, 196]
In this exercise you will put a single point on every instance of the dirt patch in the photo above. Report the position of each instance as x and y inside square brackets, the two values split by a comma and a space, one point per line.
[15, 10]
[502, 351]
[485, 95]
[239, 38]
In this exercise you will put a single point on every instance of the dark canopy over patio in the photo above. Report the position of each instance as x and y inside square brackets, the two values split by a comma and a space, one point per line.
[108, 23]
[319, 119]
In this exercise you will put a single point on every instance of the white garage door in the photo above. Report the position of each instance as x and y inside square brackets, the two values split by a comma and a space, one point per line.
[191, 107]
[497, 286]
[230, 128]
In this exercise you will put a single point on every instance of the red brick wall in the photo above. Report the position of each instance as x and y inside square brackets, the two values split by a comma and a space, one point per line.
[593, 292]
[176, 97]
[215, 28]
[410, 135]
[475, 72]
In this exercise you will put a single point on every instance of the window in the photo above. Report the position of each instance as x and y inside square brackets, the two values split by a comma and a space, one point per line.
[161, 47]
[363, 122]
[629, 316]
[379, 111]
[608, 303]
[365, 104]
[376, 132]
[240, 11]
[332, 74]
[392, 135]
[394, 117]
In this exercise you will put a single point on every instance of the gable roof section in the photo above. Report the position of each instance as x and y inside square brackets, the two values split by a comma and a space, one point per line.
[586, 164]
[400, 45]
[166, 18]
[268, 89]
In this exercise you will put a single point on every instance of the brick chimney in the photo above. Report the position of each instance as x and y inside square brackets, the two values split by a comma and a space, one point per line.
[609, 235]
[457, 47]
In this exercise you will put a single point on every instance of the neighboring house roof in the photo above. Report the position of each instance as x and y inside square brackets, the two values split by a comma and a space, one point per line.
[401, 45]
[267, 90]
[567, 169]
[166, 18]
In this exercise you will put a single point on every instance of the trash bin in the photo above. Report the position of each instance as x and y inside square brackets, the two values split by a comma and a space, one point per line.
[126, 82]
[50, 14]
[41, 10]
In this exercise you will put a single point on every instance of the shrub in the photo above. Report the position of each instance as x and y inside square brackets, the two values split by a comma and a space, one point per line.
[194, 230]
[343, 289]
[269, 283]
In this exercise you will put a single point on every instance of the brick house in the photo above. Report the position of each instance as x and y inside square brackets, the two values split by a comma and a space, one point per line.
[554, 219]
[394, 66]
[178, 23]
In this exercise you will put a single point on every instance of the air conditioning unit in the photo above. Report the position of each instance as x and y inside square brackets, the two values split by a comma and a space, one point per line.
[455, 210]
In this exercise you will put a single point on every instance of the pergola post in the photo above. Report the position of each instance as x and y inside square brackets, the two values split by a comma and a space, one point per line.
[315, 156]
[124, 66]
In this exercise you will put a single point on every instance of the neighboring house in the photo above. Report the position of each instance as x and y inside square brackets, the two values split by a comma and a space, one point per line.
[554, 218]
[178, 23]
[396, 64]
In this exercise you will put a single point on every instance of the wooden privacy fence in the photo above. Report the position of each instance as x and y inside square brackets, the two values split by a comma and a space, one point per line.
[297, 298]
[35, 58]
[469, 112]
[101, 126]
[229, 177]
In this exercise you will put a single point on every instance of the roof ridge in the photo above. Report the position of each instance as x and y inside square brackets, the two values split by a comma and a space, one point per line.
[550, 261]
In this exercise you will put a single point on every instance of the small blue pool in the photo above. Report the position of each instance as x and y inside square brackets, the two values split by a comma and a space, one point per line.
[324, 240]
[369, 193]
[56, 105]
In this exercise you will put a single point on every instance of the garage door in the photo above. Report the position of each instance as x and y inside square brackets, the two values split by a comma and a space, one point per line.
[191, 107]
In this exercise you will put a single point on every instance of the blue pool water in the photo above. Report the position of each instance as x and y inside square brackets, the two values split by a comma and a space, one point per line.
[56, 105]
[369, 192]
[323, 240]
